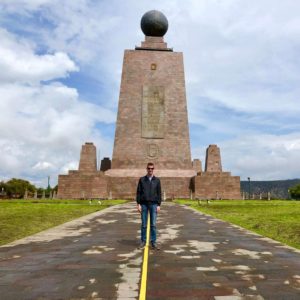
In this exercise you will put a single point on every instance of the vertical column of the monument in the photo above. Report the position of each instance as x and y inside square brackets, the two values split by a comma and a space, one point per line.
[152, 121]
[213, 159]
[88, 158]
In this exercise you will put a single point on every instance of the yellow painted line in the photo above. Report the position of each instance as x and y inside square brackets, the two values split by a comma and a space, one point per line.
[143, 288]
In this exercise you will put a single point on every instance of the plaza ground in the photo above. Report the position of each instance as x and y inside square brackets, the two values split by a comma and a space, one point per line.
[96, 257]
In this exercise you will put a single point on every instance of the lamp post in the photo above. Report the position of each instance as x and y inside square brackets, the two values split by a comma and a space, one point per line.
[49, 188]
[249, 187]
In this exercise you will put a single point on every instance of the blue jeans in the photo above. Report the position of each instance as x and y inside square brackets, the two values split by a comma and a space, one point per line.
[153, 213]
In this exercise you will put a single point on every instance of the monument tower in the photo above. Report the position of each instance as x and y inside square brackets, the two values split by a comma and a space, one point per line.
[152, 121]
[152, 125]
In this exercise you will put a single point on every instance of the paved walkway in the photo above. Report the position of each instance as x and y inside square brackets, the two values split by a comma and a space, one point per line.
[96, 257]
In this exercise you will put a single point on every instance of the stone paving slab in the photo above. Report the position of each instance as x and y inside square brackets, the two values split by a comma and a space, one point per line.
[96, 257]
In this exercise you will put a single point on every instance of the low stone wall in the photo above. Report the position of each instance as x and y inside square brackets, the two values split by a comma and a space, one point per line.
[216, 185]
[79, 185]
[176, 187]
[122, 187]
[125, 187]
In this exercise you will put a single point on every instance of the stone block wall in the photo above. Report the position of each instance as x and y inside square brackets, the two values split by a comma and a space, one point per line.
[176, 187]
[122, 187]
[78, 185]
[216, 185]
[125, 187]
[153, 42]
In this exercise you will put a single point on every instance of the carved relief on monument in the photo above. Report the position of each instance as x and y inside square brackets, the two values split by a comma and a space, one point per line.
[152, 150]
[153, 112]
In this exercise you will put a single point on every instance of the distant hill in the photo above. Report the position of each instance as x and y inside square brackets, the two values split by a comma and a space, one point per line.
[277, 188]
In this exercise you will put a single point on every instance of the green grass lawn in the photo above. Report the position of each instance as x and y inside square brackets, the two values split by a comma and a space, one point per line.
[20, 218]
[277, 219]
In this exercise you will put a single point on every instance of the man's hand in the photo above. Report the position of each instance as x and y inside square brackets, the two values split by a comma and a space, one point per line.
[158, 208]
[139, 208]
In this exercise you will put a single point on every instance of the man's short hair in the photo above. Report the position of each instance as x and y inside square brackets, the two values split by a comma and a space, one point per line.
[150, 164]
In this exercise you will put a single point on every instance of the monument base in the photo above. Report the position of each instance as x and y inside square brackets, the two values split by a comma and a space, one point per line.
[172, 187]
[119, 185]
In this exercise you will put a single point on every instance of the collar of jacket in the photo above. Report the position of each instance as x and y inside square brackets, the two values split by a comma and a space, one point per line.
[146, 177]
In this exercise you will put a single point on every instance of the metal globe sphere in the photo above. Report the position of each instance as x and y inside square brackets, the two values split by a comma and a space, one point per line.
[154, 23]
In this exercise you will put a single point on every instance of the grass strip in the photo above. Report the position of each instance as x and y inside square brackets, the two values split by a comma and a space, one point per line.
[276, 219]
[19, 219]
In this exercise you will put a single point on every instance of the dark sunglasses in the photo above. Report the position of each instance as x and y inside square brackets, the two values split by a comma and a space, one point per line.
[150, 168]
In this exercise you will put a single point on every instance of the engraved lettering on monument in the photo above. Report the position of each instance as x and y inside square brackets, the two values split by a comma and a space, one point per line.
[153, 112]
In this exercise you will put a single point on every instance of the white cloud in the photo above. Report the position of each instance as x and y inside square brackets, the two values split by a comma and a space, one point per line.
[263, 157]
[42, 126]
[71, 165]
[243, 55]
[19, 63]
[46, 123]
[43, 165]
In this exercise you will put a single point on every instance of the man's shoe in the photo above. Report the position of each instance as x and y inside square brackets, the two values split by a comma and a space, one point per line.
[142, 245]
[154, 246]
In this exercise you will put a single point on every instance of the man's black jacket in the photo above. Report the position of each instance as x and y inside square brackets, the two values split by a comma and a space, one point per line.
[148, 191]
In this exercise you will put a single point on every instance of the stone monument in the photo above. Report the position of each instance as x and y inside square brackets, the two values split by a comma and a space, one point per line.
[152, 126]
[213, 183]
[85, 183]
[152, 121]
[213, 159]
[88, 159]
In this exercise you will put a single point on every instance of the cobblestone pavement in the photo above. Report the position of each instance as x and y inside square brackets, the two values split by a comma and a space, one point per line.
[96, 257]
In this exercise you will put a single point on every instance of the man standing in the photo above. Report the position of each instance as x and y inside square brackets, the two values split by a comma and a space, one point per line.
[148, 198]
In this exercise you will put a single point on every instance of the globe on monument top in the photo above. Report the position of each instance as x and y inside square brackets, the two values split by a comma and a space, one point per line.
[154, 23]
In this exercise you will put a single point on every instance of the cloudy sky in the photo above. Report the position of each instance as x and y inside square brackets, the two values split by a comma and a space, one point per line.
[60, 68]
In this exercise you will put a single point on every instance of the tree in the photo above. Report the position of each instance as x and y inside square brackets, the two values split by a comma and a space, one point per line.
[295, 191]
[16, 187]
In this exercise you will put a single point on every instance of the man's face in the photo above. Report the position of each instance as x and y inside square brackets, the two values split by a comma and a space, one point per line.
[150, 170]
